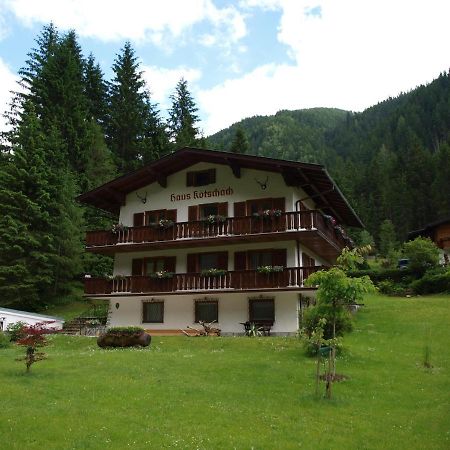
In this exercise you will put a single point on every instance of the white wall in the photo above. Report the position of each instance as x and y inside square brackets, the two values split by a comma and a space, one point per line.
[244, 188]
[233, 309]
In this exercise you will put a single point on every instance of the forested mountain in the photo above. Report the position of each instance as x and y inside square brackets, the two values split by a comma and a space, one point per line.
[392, 160]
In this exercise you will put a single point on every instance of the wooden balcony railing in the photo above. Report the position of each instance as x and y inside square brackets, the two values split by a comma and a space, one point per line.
[290, 277]
[231, 226]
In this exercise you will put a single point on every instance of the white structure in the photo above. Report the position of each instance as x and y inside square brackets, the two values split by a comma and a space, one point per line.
[9, 316]
[205, 235]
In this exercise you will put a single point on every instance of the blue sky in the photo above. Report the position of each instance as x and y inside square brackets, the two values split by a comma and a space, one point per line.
[248, 57]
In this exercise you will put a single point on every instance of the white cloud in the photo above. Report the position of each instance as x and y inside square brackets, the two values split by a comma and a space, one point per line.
[137, 20]
[162, 81]
[352, 56]
[7, 83]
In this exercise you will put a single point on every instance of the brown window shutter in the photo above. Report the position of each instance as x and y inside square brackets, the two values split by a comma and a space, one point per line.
[137, 267]
[279, 257]
[190, 178]
[222, 260]
[222, 209]
[279, 203]
[239, 209]
[171, 214]
[170, 264]
[240, 260]
[192, 259]
[138, 220]
[193, 213]
[212, 176]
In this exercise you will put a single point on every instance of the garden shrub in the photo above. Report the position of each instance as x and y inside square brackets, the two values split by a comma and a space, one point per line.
[312, 316]
[388, 287]
[125, 331]
[433, 282]
[4, 340]
[422, 254]
[15, 331]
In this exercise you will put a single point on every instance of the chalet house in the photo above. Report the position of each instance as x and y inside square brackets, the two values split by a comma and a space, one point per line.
[212, 236]
[439, 233]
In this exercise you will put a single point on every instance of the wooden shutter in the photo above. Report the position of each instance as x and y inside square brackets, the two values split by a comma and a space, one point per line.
[137, 267]
[240, 260]
[222, 209]
[192, 262]
[239, 209]
[222, 260]
[190, 178]
[279, 257]
[138, 219]
[279, 203]
[170, 263]
[193, 213]
[171, 214]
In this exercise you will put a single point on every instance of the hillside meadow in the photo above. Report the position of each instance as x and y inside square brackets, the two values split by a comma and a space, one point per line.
[242, 393]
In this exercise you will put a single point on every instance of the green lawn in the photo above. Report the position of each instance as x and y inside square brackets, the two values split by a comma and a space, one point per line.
[243, 393]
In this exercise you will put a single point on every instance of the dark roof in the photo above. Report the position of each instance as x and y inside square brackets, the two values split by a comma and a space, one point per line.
[312, 178]
[428, 229]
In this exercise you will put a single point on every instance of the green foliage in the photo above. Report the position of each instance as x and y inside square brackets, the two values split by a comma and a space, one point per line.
[135, 133]
[387, 238]
[389, 287]
[5, 341]
[125, 331]
[314, 314]
[182, 117]
[432, 282]
[15, 331]
[422, 254]
[240, 142]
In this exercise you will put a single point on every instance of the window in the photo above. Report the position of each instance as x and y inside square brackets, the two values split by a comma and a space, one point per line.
[210, 209]
[262, 310]
[155, 265]
[258, 259]
[206, 311]
[208, 261]
[201, 177]
[153, 312]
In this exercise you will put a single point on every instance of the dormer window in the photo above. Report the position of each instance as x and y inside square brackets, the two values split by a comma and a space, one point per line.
[201, 177]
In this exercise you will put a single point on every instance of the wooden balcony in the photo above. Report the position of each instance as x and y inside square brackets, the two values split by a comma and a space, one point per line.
[309, 227]
[182, 283]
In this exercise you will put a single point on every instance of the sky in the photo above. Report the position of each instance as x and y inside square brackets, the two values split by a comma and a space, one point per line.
[244, 58]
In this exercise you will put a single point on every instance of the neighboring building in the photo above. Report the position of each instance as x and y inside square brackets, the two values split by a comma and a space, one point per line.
[207, 235]
[8, 316]
[439, 233]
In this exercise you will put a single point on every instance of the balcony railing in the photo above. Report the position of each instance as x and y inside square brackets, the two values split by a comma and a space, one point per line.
[290, 277]
[231, 226]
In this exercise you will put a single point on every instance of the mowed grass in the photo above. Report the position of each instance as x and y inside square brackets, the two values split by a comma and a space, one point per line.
[243, 393]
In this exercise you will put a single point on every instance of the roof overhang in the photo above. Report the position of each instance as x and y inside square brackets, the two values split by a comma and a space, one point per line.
[312, 178]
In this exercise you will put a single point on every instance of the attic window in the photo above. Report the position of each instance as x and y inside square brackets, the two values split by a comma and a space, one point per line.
[201, 177]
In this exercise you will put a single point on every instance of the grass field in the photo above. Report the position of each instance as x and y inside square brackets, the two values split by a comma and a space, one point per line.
[243, 393]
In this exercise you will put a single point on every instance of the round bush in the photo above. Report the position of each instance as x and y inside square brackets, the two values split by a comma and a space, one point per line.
[312, 316]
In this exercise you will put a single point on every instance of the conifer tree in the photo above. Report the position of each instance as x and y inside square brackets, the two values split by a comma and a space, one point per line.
[39, 224]
[240, 142]
[183, 117]
[96, 91]
[135, 134]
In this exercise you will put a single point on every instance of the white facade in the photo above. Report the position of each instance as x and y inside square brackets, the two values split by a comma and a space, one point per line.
[11, 316]
[179, 310]
[127, 309]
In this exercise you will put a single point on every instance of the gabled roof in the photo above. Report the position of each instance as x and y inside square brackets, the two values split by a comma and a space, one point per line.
[28, 314]
[312, 178]
[428, 229]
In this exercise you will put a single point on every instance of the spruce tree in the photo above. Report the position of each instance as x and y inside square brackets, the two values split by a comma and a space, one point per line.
[183, 117]
[96, 91]
[240, 142]
[135, 134]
